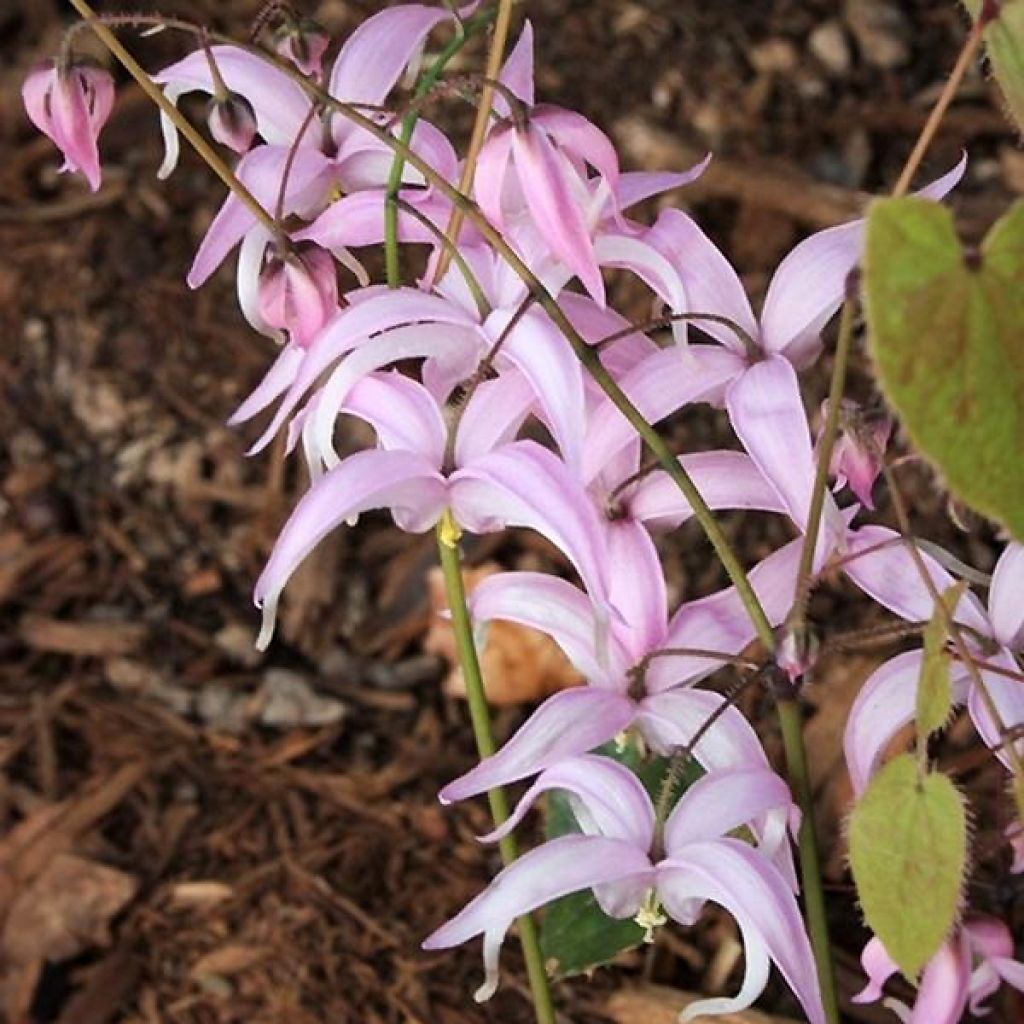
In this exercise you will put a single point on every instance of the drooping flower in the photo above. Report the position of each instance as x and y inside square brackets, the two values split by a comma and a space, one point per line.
[644, 677]
[304, 42]
[965, 971]
[615, 857]
[887, 701]
[70, 105]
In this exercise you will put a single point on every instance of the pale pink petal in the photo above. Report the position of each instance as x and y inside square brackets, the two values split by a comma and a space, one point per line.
[637, 587]
[767, 412]
[556, 868]
[636, 186]
[1007, 695]
[670, 720]
[455, 351]
[722, 801]
[555, 607]
[261, 170]
[709, 281]
[878, 561]
[491, 171]
[941, 187]
[579, 139]
[402, 412]
[886, 703]
[725, 479]
[607, 799]
[523, 484]
[375, 55]
[358, 219]
[370, 479]
[1006, 597]
[517, 72]
[280, 104]
[658, 386]
[545, 177]
[364, 161]
[542, 355]
[738, 878]
[275, 382]
[720, 621]
[879, 967]
[644, 260]
[372, 311]
[493, 416]
[942, 995]
[567, 724]
[595, 323]
[807, 289]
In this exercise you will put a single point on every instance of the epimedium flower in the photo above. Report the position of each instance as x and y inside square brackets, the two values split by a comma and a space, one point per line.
[643, 677]
[232, 121]
[887, 701]
[637, 870]
[70, 104]
[304, 42]
[964, 972]
[859, 448]
[494, 482]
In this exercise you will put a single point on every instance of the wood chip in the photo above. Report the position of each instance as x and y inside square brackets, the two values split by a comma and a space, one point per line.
[84, 639]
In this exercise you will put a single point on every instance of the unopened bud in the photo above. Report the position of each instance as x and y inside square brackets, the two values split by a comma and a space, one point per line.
[859, 448]
[796, 651]
[298, 292]
[303, 42]
[70, 105]
[232, 122]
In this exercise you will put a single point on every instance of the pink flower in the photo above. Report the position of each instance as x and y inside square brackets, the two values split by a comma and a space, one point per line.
[615, 858]
[949, 985]
[70, 105]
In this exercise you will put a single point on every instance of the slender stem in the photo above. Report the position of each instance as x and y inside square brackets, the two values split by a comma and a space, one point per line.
[671, 318]
[156, 94]
[791, 723]
[451, 568]
[931, 126]
[805, 570]
[423, 87]
[483, 116]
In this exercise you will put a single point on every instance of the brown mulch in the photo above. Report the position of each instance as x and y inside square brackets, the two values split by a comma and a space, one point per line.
[195, 833]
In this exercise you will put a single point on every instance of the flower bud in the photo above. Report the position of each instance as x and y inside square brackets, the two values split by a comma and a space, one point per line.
[232, 121]
[859, 448]
[303, 42]
[298, 292]
[70, 105]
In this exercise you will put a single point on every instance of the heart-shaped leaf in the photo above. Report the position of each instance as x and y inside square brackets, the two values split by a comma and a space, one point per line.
[947, 334]
[1004, 42]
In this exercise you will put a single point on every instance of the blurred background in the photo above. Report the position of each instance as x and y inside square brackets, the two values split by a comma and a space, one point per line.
[194, 832]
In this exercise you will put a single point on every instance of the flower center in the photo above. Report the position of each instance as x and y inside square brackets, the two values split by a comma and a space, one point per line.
[650, 915]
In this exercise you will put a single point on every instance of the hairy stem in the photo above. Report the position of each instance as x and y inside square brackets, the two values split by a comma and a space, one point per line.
[451, 567]
[423, 87]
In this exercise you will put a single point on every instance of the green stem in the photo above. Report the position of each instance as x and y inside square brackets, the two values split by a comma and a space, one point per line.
[427, 82]
[805, 571]
[451, 568]
[791, 724]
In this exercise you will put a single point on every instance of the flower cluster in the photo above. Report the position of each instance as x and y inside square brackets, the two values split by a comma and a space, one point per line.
[456, 441]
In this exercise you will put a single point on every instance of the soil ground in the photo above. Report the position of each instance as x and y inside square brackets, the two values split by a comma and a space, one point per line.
[195, 833]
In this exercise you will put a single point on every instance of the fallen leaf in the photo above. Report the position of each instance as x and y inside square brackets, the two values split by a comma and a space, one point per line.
[66, 910]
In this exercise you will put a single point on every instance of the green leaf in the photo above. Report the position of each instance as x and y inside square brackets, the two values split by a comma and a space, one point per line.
[908, 849]
[576, 935]
[947, 334]
[1004, 43]
[934, 688]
